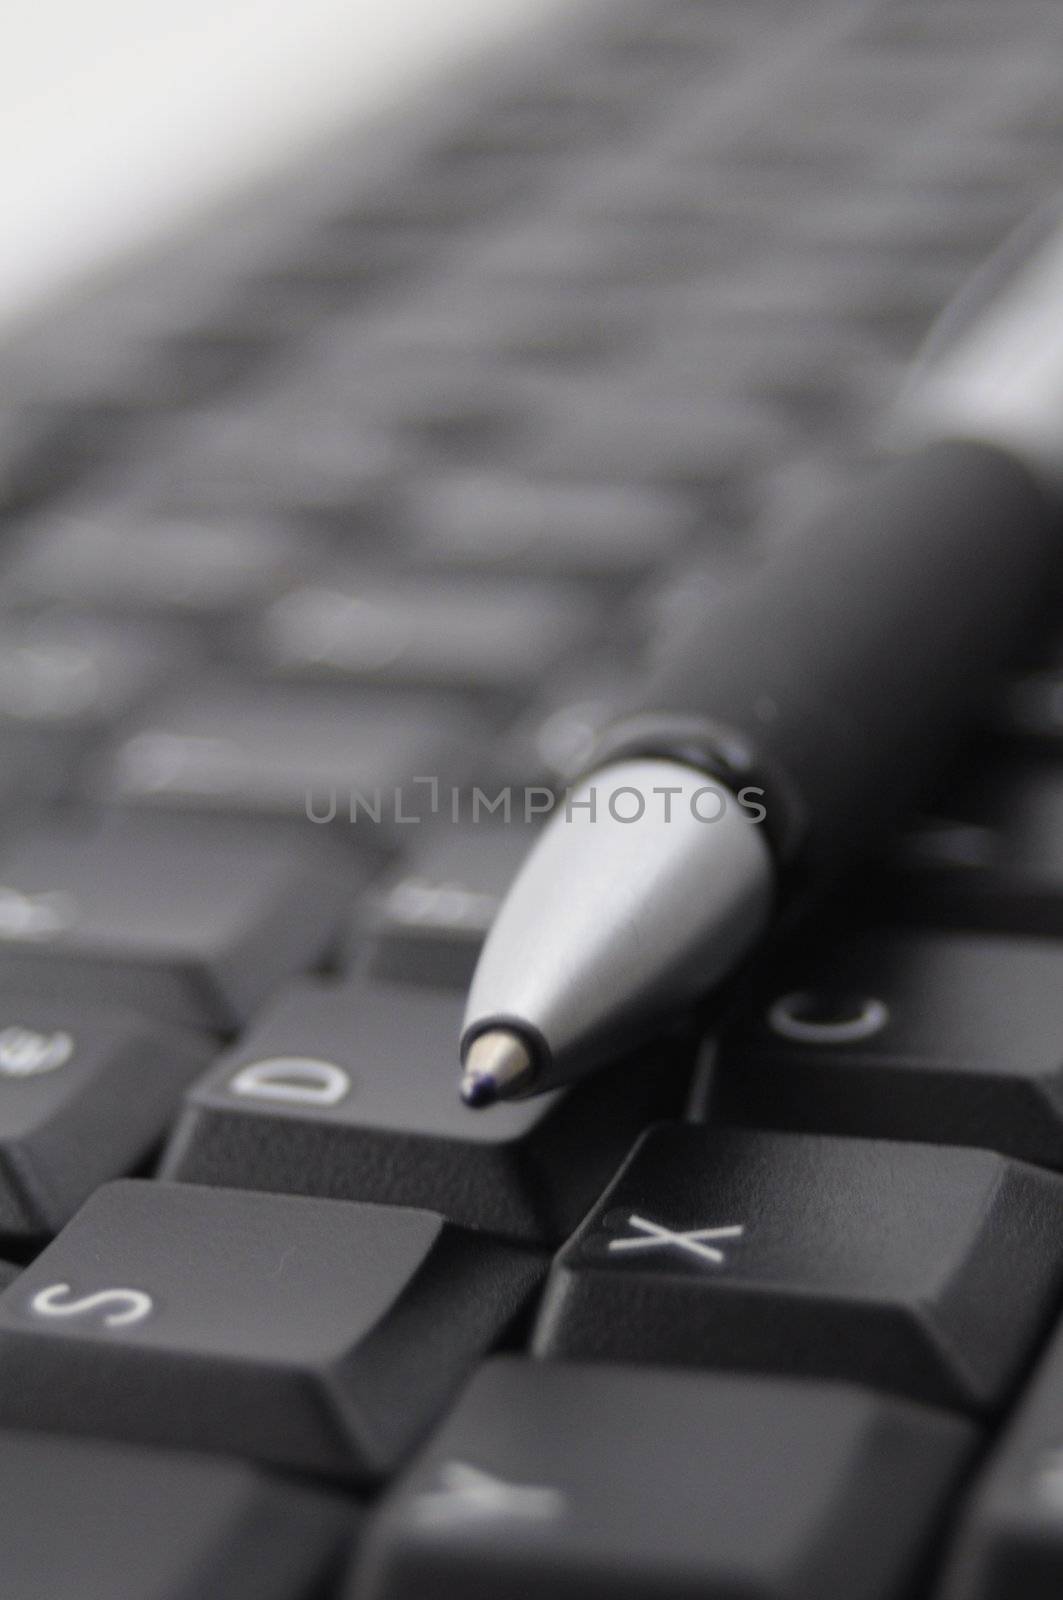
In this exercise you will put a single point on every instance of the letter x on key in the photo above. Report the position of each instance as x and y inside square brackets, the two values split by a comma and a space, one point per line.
[695, 1240]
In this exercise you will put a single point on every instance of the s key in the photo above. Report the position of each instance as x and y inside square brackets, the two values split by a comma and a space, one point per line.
[311, 1334]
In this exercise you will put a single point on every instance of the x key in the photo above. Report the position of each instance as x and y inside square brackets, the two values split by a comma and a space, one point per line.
[694, 1240]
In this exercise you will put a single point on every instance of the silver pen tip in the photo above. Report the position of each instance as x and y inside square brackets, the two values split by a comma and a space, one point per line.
[497, 1064]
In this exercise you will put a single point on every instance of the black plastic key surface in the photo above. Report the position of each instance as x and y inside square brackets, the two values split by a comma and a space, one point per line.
[902, 1035]
[188, 919]
[293, 751]
[86, 1092]
[990, 856]
[508, 523]
[65, 681]
[273, 455]
[103, 1521]
[550, 744]
[490, 635]
[312, 1334]
[571, 1482]
[1010, 1540]
[42, 450]
[129, 559]
[426, 921]
[347, 1091]
[926, 1271]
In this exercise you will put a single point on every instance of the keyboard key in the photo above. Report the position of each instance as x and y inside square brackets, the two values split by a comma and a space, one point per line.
[105, 1522]
[308, 1333]
[1030, 710]
[925, 1271]
[120, 560]
[667, 437]
[1010, 1540]
[426, 921]
[558, 1482]
[66, 681]
[909, 1036]
[187, 919]
[36, 456]
[551, 742]
[990, 857]
[513, 524]
[85, 1094]
[495, 637]
[273, 457]
[296, 751]
[348, 1091]
[539, 118]
[343, 261]
[97, 361]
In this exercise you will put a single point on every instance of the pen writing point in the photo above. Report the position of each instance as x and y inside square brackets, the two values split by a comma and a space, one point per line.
[498, 1064]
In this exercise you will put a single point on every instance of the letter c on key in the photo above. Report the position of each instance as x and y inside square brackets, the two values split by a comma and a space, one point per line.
[130, 1305]
[814, 1019]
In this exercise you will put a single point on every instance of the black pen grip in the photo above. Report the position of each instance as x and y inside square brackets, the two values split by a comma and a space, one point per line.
[850, 660]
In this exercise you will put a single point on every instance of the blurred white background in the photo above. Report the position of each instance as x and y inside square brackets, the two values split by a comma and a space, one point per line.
[118, 117]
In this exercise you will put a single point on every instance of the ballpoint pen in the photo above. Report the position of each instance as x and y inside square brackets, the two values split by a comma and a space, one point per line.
[802, 713]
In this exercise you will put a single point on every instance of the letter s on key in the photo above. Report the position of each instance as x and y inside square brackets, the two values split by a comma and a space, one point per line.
[129, 1305]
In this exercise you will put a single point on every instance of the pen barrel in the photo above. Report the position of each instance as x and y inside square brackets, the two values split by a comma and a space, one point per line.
[849, 663]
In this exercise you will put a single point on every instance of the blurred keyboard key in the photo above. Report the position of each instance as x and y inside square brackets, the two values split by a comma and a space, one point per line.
[189, 920]
[65, 681]
[552, 741]
[514, 524]
[568, 1482]
[298, 752]
[348, 1092]
[274, 457]
[989, 857]
[345, 261]
[97, 361]
[494, 637]
[37, 455]
[288, 1330]
[662, 438]
[106, 1522]
[1030, 710]
[122, 560]
[902, 1035]
[86, 1093]
[538, 117]
[1010, 1539]
[427, 919]
[923, 1270]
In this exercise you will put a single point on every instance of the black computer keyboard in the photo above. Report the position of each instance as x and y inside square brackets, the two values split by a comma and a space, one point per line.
[329, 540]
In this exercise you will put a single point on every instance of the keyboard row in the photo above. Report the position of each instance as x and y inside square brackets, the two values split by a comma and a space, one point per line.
[753, 1342]
[336, 690]
[200, 917]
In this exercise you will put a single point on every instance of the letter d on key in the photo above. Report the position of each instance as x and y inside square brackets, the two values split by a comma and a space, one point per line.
[298, 1080]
